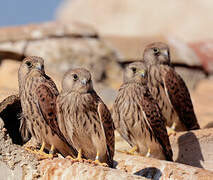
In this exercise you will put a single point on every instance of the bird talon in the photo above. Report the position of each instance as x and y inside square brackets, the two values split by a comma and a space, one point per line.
[78, 159]
[29, 149]
[40, 153]
[96, 162]
[99, 163]
[130, 152]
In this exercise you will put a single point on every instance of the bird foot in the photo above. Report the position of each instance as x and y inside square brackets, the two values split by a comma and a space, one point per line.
[130, 152]
[96, 162]
[126, 152]
[43, 155]
[30, 149]
[40, 154]
[78, 159]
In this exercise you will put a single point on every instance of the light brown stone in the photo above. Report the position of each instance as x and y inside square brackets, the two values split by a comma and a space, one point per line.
[158, 169]
[184, 20]
[194, 148]
[44, 30]
[202, 99]
[66, 169]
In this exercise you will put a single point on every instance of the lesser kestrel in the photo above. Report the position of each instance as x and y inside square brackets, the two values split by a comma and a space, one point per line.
[137, 117]
[38, 101]
[84, 119]
[169, 89]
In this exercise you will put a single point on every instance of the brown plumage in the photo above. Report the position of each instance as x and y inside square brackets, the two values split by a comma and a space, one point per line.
[84, 119]
[137, 116]
[38, 100]
[169, 89]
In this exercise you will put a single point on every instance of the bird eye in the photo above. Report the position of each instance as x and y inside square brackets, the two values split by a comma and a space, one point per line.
[29, 64]
[134, 70]
[75, 77]
[156, 50]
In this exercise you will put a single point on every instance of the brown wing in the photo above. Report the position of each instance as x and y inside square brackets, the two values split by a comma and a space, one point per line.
[156, 124]
[108, 127]
[47, 105]
[180, 99]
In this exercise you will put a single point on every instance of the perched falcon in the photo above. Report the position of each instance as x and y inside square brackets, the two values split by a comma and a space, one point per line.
[169, 89]
[38, 101]
[84, 119]
[137, 117]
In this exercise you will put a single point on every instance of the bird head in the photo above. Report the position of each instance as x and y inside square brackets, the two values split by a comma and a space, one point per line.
[30, 64]
[78, 80]
[157, 53]
[136, 72]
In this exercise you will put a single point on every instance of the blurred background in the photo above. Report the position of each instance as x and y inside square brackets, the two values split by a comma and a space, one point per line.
[104, 36]
[25, 11]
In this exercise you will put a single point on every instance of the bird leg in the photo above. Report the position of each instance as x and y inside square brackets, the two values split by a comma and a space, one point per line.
[97, 162]
[130, 152]
[148, 153]
[171, 130]
[52, 150]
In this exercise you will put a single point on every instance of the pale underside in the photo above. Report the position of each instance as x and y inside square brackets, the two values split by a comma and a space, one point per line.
[131, 124]
[82, 127]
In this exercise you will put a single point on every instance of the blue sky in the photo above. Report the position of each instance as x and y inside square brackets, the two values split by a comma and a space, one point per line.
[17, 12]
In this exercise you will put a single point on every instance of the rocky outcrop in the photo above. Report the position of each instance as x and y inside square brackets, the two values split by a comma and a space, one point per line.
[67, 169]
[62, 46]
[157, 169]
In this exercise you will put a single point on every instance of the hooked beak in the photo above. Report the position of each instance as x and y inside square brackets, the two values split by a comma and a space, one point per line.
[165, 53]
[142, 73]
[38, 66]
[84, 81]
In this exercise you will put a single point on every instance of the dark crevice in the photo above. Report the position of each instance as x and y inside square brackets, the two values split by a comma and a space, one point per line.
[10, 110]
[11, 55]
[150, 173]
[124, 63]
[54, 36]
[192, 67]
[94, 36]
[20, 57]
